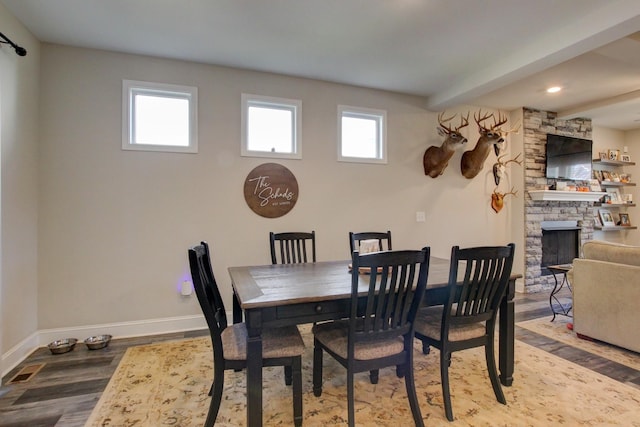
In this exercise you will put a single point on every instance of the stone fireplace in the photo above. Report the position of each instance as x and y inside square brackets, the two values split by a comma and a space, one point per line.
[570, 214]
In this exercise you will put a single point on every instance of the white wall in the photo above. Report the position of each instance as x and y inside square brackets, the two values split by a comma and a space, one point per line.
[115, 225]
[19, 87]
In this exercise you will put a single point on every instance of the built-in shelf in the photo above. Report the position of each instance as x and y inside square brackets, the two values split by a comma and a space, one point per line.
[613, 162]
[615, 227]
[616, 184]
[615, 205]
[568, 196]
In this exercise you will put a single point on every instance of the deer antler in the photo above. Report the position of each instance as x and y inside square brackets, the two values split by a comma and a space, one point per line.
[514, 160]
[481, 119]
[464, 121]
[513, 192]
[501, 120]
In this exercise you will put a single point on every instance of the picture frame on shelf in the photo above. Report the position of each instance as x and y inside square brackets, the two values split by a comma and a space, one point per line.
[597, 174]
[625, 158]
[606, 175]
[596, 219]
[603, 156]
[614, 196]
[606, 218]
[624, 219]
[627, 197]
[594, 185]
[613, 155]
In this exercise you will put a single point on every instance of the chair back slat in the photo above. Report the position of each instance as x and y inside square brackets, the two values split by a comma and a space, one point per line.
[292, 247]
[383, 238]
[395, 287]
[477, 295]
[207, 291]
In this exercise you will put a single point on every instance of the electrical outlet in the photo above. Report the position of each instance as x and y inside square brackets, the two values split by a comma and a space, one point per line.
[185, 290]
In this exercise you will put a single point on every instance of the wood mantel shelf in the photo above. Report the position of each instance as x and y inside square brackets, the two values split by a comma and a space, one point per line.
[567, 196]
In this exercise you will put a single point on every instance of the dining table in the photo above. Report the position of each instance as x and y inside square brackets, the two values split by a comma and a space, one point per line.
[274, 295]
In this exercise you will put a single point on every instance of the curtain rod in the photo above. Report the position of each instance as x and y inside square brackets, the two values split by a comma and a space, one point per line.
[20, 51]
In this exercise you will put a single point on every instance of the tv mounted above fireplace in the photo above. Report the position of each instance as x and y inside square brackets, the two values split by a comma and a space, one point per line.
[568, 158]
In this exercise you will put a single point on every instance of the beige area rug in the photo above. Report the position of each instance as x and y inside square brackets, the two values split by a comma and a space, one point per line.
[167, 384]
[558, 331]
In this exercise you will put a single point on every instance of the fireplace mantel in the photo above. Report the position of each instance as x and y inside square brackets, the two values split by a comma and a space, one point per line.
[568, 196]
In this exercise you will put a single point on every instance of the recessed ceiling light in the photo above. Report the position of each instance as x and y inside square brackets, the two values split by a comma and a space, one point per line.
[554, 89]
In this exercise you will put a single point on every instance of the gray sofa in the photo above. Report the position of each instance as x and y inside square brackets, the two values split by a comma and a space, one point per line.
[606, 293]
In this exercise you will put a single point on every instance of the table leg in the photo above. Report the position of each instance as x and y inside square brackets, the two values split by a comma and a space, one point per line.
[237, 310]
[507, 336]
[556, 289]
[254, 369]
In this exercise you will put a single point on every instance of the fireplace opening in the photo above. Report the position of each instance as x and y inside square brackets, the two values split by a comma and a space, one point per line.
[560, 243]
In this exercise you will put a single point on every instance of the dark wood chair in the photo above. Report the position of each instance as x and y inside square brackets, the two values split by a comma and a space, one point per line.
[379, 331]
[292, 247]
[468, 318]
[280, 346]
[383, 238]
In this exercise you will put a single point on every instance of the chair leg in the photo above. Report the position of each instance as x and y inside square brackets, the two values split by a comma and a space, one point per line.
[350, 399]
[287, 375]
[493, 372]
[216, 396]
[425, 348]
[296, 373]
[374, 376]
[400, 370]
[411, 390]
[317, 370]
[445, 361]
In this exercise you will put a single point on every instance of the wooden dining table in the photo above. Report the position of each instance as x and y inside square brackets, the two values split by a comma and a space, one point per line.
[270, 296]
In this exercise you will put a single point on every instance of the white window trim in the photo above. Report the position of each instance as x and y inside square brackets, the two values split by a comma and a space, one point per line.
[380, 116]
[184, 92]
[294, 105]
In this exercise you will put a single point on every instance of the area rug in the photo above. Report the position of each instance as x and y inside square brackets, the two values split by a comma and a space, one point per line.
[558, 331]
[167, 384]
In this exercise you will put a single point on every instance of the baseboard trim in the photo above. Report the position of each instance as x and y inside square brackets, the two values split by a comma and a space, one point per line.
[41, 338]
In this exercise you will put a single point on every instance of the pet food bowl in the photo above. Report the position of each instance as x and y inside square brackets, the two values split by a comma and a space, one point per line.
[62, 346]
[97, 342]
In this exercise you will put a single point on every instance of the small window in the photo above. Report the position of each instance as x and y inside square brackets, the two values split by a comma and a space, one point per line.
[159, 117]
[271, 127]
[361, 135]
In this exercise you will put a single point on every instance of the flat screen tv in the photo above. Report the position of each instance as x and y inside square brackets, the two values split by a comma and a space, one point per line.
[568, 158]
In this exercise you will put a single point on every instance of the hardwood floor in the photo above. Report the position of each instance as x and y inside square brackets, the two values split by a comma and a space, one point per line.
[64, 391]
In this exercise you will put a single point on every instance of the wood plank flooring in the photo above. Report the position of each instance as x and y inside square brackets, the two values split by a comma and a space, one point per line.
[64, 392]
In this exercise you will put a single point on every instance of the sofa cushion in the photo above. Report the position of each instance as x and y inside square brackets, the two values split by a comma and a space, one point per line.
[612, 252]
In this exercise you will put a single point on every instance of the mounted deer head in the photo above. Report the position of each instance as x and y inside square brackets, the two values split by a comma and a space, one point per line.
[499, 166]
[436, 159]
[497, 198]
[473, 161]
[497, 147]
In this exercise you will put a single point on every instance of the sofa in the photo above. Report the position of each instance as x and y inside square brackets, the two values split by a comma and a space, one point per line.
[606, 293]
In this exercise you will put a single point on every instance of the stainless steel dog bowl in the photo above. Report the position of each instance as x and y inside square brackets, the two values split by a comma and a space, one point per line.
[97, 342]
[62, 346]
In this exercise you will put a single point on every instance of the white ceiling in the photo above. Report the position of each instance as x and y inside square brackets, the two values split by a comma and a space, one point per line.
[495, 53]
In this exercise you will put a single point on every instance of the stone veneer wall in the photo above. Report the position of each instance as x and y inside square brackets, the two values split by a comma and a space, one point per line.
[536, 125]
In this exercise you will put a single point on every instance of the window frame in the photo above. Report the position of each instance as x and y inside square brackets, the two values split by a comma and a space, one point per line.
[130, 88]
[380, 118]
[293, 105]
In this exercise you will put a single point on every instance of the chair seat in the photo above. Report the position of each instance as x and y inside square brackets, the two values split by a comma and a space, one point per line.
[276, 342]
[334, 336]
[429, 322]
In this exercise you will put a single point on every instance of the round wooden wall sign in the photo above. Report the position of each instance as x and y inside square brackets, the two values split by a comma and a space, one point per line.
[271, 190]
